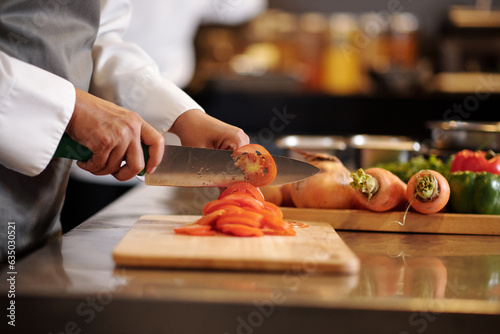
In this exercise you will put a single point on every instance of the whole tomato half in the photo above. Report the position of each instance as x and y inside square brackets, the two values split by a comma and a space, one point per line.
[256, 163]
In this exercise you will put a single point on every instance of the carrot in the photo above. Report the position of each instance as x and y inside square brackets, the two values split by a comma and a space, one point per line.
[377, 189]
[428, 191]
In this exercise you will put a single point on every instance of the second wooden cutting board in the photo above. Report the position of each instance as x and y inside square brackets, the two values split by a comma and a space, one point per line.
[152, 243]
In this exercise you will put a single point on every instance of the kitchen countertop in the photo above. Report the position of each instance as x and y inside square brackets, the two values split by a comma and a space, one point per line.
[408, 283]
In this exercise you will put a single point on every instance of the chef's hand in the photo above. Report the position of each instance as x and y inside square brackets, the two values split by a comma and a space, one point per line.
[196, 128]
[114, 135]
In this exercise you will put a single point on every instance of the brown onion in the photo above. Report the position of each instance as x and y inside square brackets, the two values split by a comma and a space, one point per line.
[329, 189]
[272, 194]
[286, 196]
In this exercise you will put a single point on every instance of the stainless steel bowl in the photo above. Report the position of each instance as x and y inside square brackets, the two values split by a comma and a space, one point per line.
[334, 145]
[370, 150]
[356, 151]
[321, 144]
[457, 135]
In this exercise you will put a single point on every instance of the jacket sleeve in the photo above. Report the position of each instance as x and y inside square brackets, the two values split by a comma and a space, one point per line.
[128, 76]
[35, 108]
[233, 12]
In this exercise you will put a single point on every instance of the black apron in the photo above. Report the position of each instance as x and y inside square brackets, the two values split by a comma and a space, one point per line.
[56, 35]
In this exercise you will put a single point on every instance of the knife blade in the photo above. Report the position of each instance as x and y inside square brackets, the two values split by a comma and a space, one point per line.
[184, 166]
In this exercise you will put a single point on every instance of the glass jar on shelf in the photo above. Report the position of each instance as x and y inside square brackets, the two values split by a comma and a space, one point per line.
[404, 40]
[342, 73]
[375, 55]
[312, 37]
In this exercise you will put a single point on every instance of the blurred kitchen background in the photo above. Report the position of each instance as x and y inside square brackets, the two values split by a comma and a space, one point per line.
[357, 67]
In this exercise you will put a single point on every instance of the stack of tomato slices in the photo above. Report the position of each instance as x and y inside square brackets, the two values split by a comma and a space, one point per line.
[241, 209]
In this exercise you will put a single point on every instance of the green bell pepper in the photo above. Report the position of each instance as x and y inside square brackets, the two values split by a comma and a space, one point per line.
[474, 192]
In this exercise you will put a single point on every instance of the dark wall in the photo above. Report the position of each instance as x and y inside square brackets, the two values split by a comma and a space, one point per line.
[278, 115]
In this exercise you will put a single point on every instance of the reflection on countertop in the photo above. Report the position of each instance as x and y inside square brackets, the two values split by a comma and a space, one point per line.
[400, 274]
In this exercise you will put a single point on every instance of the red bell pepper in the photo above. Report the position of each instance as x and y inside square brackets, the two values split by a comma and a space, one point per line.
[478, 161]
[492, 165]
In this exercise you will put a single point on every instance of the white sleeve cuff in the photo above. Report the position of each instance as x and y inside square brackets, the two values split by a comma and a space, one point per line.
[35, 108]
[158, 100]
[127, 76]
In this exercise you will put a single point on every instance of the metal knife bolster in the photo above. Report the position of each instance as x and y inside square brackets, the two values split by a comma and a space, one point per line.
[184, 166]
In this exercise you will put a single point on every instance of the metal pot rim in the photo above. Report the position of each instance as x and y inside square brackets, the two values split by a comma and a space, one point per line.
[464, 126]
[383, 142]
[312, 142]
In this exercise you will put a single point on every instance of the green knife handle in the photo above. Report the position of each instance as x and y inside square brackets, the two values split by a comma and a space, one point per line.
[68, 148]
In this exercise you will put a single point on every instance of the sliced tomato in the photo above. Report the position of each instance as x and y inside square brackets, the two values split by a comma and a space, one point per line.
[195, 229]
[218, 204]
[277, 227]
[244, 200]
[271, 207]
[256, 163]
[211, 218]
[290, 230]
[242, 230]
[286, 232]
[243, 187]
[270, 220]
[247, 218]
[240, 210]
[230, 209]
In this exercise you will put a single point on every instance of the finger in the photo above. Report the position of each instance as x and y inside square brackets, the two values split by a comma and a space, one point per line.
[243, 139]
[156, 145]
[234, 139]
[134, 162]
[96, 163]
[240, 138]
[230, 146]
[114, 162]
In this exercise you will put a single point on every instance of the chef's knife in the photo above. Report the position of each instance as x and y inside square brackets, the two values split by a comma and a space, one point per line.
[184, 166]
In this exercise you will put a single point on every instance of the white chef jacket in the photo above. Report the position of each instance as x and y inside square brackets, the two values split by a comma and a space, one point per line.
[123, 73]
[165, 30]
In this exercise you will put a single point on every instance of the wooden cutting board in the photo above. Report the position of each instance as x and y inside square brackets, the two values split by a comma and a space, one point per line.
[363, 220]
[151, 242]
